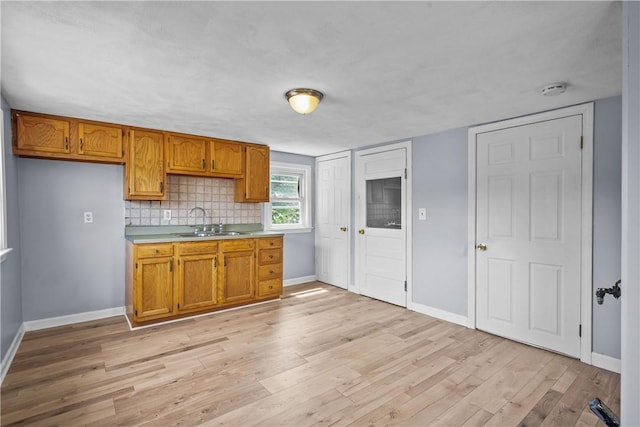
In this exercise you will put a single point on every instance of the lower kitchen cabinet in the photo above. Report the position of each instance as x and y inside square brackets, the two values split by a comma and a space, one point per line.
[238, 273]
[171, 280]
[153, 281]
[197, 281]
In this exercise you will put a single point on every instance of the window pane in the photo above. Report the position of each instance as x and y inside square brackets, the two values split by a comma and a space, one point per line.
[285, 212]
[285, 186]
[384, 203]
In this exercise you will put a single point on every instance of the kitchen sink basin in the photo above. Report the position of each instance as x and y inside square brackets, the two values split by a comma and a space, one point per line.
[210, 234]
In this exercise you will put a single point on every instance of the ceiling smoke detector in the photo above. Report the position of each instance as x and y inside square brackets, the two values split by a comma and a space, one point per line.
[554, 89]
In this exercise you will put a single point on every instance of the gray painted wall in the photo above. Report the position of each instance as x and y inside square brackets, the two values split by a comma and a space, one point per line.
[606, 222]
[10, 286]
[70, 267]
[439, 243]
[299, 248]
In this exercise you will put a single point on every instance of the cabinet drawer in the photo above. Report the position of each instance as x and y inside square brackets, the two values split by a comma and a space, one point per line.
[154, 250]
[271, 242]
[198, 248]
[272, 271]
[270, 287]
[270, 256]
[238, 245]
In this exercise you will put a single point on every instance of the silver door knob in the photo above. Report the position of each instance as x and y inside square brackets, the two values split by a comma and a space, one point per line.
[482, 247]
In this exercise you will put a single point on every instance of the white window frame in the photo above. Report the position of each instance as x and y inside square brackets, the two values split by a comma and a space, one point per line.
[305, 198]
[4, 249]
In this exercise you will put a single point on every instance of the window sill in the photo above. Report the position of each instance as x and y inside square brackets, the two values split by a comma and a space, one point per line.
[291, 230]
[3, 253]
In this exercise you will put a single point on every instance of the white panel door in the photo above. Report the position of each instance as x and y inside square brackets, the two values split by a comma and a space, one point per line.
[333, 217]
[528, 233]
[381, 256]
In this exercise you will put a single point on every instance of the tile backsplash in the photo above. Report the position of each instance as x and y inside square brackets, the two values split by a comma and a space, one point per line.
[214, 195]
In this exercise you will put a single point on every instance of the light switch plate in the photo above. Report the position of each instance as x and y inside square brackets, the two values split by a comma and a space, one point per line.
[88, 217]
[422, 214]
[166, 214]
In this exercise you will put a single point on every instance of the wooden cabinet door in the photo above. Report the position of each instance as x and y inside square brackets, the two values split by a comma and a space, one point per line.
[254, 187]
[153, 288]
[238, 276]
[185, 154]
[197, 282]
[100, 141]
[144, 169]
[226, 158]
[42, 135]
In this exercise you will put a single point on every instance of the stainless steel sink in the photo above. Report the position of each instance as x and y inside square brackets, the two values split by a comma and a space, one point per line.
[210, 234]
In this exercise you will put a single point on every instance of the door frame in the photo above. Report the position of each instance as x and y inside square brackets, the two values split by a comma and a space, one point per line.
[586, 244]
[408, 219]
[325, 158]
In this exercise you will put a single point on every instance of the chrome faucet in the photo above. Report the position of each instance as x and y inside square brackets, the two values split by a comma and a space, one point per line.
[204, 217]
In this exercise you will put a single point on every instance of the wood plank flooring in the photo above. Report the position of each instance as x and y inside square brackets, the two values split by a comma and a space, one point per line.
[320, 356]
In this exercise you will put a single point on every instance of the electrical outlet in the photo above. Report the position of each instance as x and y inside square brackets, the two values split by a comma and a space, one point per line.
[422, 214]
[166, 214]
[88, 217]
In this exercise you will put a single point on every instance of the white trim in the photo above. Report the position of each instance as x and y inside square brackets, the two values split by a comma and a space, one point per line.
[3, 253]
[586, 285]
[11, 352]
[195, 316]
[408, 211]
[52, 322]
[299, 280]
[328, 157]
[295, 230]
[447, 316]
[605, 362]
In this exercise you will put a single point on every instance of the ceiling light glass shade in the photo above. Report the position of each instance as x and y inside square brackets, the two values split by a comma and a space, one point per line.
[303, 101]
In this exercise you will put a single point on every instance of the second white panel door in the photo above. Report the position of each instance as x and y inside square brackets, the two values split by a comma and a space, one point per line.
[381, 257]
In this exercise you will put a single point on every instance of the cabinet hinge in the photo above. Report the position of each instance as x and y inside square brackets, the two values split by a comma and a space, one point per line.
[136, 265]
[580, 331]
[178, 305]
[581, 142]
[405, 286]
[136, 312]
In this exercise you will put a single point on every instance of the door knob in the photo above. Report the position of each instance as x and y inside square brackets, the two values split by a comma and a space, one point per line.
[482, 247]
[343, 228]
[361, 231]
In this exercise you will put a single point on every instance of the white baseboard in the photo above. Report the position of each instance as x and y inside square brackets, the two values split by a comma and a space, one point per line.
[11, 353]
[605, 362]
[52, 322]
[439, 314]
[299, 280]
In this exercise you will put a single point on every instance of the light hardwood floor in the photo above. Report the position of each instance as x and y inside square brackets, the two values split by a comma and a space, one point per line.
[320, 356]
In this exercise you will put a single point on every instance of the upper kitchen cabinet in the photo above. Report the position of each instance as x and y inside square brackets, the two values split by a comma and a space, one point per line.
[186, 154]
[65, 138]
[100, 141]
[254, 186]
[191, 155]
[226, 158]
[145, 175]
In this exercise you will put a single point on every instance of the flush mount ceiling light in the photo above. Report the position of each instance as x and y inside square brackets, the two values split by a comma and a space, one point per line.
[303, 101]
[554, 89]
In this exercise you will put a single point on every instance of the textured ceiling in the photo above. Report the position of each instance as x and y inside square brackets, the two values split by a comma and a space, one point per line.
[389, 70]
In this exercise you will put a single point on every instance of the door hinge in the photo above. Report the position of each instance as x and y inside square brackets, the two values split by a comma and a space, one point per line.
[580, 331]
[581, 142]
[405, 286]
[405, 173]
